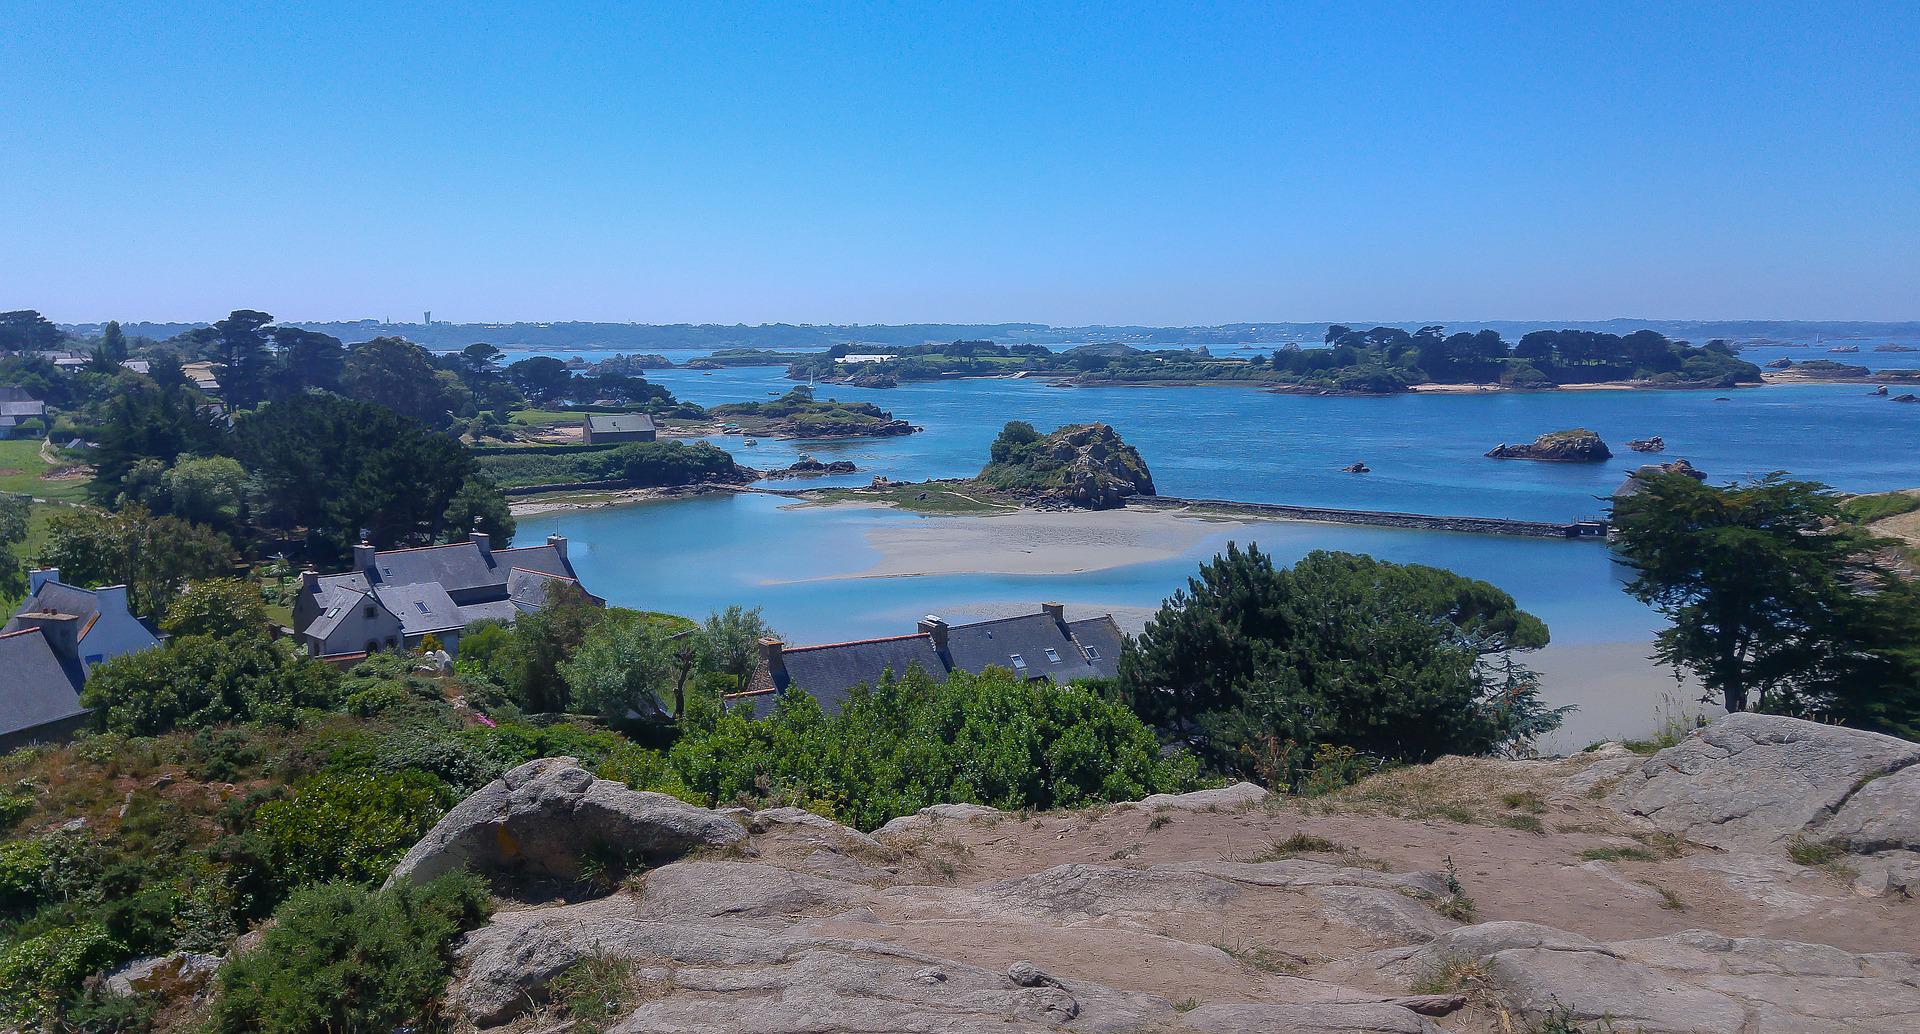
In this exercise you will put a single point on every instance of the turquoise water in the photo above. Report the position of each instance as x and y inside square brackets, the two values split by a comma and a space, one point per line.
[1228, 442]
[1426, 451]
[693, 556]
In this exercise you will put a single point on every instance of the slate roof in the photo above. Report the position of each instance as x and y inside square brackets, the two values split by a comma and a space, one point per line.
[604, 423]
[456, 566]
[61, 599]
[422, 607]
[830, 671]
[15, 402]
[336, 602]
[1019, 644]
[527, 589]
[41, 687]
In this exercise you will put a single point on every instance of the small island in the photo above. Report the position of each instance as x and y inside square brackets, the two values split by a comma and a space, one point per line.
[1084, 466]
[1577, 445]
[1079, 467]
[1380, 361]
[797, 414]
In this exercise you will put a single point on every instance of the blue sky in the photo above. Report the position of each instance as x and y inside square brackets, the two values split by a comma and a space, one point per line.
[960, 162]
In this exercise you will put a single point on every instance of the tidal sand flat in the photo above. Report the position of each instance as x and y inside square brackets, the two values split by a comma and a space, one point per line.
[1037, 542]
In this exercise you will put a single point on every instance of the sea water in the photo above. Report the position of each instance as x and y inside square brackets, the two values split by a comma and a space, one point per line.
[1235, 442]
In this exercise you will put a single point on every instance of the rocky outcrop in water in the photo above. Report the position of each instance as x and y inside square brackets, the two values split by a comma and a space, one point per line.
[1577, 445]
[1087, 466]
[1653, 444]
[807, 466]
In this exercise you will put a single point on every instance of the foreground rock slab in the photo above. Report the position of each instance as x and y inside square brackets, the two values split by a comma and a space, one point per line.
[1234, 911]
[1756, 781]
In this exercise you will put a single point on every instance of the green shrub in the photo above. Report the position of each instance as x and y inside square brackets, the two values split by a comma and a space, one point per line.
[23, 873]
[990, 738]
[644, 463]
[37, 973]
[345, 958]
[352, 826]
[196, 681]
[13, 808]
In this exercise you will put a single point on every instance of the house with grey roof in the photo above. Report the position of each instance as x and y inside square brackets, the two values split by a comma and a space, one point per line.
[601, 428]
[41, 701]
[49, 648]
[393, 599]
[1043, 645]
[16, 405]
[93, 625]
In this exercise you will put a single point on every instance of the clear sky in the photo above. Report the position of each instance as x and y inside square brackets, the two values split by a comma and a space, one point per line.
[1160, 163]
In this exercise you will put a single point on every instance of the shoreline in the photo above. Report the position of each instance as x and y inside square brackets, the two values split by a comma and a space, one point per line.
[1768, 379]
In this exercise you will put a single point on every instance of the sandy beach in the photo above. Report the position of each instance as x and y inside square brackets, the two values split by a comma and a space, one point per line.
[1037, 542]
[1617, 690]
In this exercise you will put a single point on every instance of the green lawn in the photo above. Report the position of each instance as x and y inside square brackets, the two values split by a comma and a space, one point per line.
[20, 473]
[541, 417]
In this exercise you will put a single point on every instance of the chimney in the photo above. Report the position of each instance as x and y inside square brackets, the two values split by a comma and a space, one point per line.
[41, 577]
[111, 599]
[485, 543]
[1056, 611]
[934, 628]
[772, 654]
[363, 558]
[309, 580]
[62, 630]
[559, 544]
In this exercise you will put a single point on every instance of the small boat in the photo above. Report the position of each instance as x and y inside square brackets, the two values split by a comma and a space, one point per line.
[750, 441]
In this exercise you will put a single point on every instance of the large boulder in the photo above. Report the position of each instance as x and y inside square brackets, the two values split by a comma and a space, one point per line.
[1754, 781]
[1577, 445]
[543, 819]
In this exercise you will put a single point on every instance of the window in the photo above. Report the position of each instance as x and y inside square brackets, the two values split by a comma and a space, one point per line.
[373, 647]
[1019, 663]
[422, 606]
[1053, 655]
[392, 642]
[371, 611]
[1093, 653]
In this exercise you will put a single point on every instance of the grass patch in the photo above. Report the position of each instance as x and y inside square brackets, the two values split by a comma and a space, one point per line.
[1524, 800]
[1523, 823]
[595, 992]
[1616, 854]
[1295, 846]
[1668, 899]
[1865, 509]
[1159, 820]
[1451, 976]
[23, 472]
[1266, 960]
[1813, 853]
[942, 499]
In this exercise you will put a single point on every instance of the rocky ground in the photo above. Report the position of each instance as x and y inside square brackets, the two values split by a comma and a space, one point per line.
[1755, 877]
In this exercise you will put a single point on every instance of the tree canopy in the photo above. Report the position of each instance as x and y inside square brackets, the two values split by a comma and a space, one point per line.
[1777, 603]
[1255, 666]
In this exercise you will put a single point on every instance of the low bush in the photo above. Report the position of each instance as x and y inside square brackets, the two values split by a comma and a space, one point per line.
[990, 738]
[644, 463]
[197, 681]
[345, 958]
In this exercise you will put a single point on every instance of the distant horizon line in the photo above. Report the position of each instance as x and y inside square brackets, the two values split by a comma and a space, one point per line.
[378, 321]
